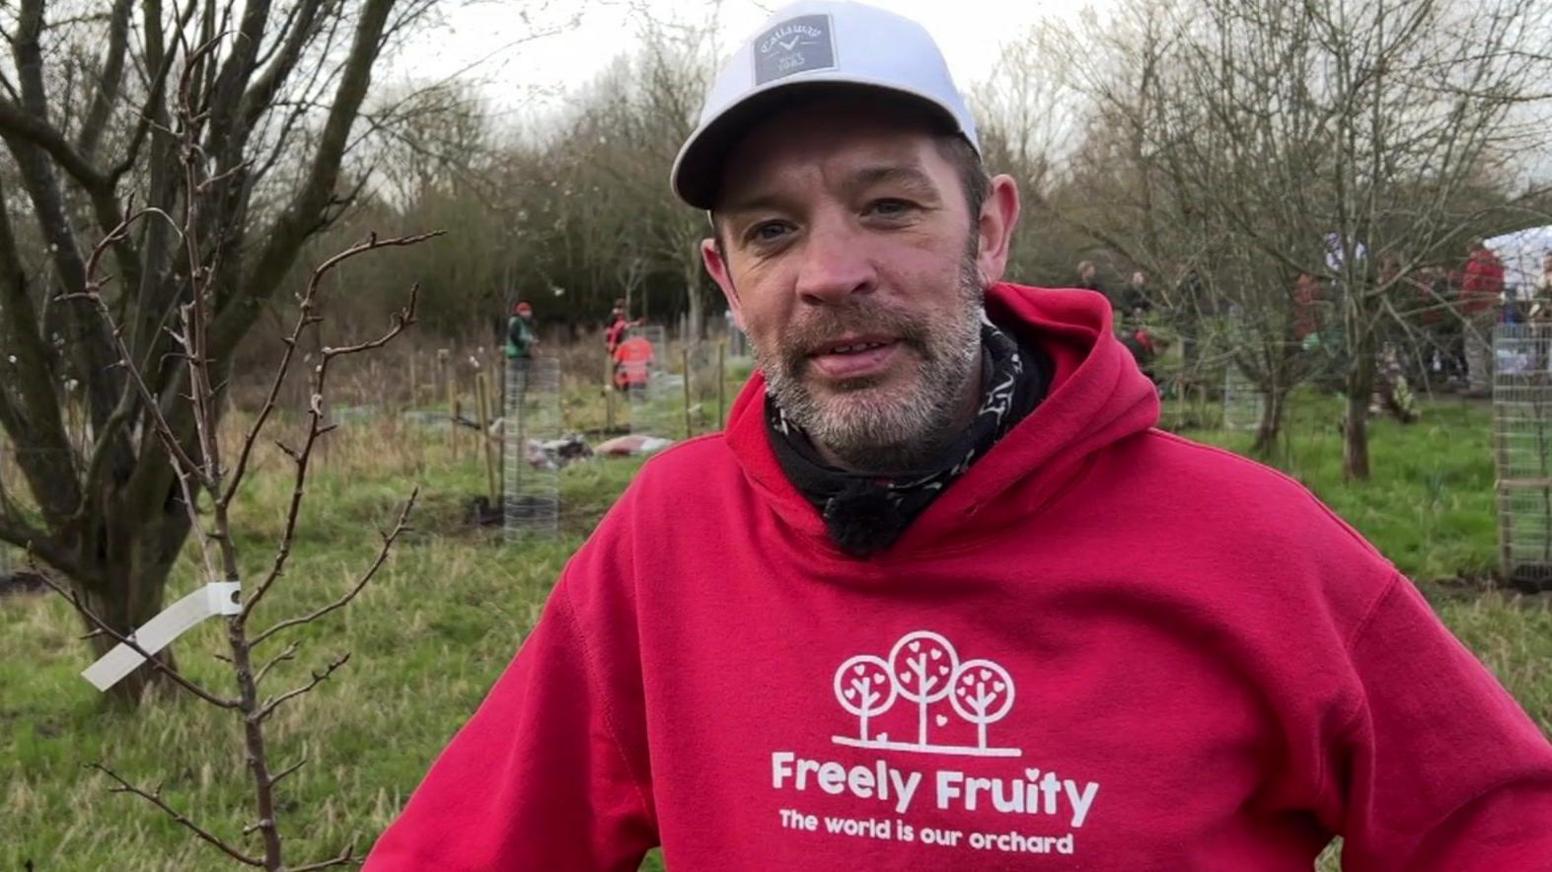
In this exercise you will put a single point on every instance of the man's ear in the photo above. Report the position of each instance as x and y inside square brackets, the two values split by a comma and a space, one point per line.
[999, 216]
[712, 255]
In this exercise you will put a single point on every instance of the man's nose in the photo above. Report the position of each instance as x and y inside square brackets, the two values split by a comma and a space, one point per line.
[835, 264]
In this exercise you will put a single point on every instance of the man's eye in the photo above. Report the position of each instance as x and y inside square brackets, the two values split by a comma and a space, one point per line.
[889, 208]
[769, 231]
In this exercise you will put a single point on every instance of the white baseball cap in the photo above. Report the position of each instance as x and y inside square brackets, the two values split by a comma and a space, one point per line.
[812, 45]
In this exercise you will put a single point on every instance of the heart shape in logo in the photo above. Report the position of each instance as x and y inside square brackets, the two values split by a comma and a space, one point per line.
[851, 693]
[942, 720]
[878, 679]
[858, 669]
[937, 653]
[986, 674]
[999, 686]
[915, 646]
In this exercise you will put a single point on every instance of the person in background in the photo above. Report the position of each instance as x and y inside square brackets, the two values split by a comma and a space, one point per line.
[521, 335]
[1134, 300]
[633, 358]
[1088, 277]
[1541, 302]
[619, 322]
[1131, 308]
[1308, 297]
[1481, 294]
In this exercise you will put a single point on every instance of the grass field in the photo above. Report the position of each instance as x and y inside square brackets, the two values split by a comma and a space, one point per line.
[445, 615]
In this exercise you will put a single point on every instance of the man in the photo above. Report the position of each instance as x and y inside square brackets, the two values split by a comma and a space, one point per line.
[1088, 277]
[1135, 300]
[614, 330]
[919, 608]
[633, 358]
[521, 336]
[1130, 313]
[1481, 293]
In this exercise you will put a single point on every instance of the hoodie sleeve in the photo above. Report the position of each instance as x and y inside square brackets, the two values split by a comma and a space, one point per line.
[539, 778]
[1440, 768]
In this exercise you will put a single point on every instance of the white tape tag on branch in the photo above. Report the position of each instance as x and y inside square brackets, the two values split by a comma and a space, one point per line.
[216, 598]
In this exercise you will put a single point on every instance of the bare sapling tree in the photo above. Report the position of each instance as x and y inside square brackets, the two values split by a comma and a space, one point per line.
[209, 480]
[92, 115]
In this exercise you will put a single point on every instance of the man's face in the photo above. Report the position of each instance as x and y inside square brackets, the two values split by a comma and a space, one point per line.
[851, 261]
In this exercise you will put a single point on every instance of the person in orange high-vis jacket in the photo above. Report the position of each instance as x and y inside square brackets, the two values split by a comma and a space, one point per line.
[632, 360]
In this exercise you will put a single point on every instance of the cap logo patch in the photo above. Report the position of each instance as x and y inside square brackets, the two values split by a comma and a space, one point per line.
[796, 45]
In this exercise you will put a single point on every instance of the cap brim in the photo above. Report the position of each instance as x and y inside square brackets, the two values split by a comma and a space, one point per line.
[697, 172]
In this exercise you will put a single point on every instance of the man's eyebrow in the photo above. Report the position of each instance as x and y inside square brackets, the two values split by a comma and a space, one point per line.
[907, 176]
[754, 202]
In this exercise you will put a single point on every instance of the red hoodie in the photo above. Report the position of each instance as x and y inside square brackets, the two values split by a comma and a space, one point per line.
[1104, 647]
[1483, 283]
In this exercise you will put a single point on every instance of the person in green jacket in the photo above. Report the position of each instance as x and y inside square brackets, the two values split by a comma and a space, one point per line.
[521, 335]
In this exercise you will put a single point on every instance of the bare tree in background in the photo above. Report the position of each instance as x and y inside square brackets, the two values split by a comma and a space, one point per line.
[1248, 142]
[1135, 188]
[1335, 137]
[88, 113]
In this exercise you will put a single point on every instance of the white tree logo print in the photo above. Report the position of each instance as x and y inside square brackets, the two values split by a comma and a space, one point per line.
[924, 664]
[983, 694]
[923, 668]
[863, 687]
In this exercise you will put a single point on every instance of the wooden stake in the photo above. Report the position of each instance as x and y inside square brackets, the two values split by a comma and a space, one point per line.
[722, 385]
[452, 413]
[482, 395]
[684, 353]
[608, 393]
[414, 383]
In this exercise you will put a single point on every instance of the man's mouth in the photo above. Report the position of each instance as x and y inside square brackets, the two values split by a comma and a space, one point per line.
[855, 357]
[855, 347]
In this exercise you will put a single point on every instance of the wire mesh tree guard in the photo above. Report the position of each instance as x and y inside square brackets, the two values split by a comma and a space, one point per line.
[1522, 451]
[531, 419]
[654, 407]
[1242, 400]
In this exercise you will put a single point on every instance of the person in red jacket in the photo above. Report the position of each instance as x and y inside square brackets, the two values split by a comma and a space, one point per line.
[917, 608]
[1481, 292]
[633, 359]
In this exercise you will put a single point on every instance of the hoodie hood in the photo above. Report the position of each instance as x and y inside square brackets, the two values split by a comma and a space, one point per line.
[1097, 397]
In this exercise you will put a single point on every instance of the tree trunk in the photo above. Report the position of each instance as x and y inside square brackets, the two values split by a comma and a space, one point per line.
[125, 614]
[134, 549]
[1273, 403]
[1360, 389]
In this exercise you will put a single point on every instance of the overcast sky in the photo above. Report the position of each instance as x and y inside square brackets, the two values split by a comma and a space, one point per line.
[487, 39]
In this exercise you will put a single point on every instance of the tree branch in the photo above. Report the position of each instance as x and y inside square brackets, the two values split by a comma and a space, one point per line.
[389, 538]
[284, 239]
[155, 798]
[346, 858]
[317, 679]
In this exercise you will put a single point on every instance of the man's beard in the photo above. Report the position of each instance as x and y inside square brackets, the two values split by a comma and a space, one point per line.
[866, 425]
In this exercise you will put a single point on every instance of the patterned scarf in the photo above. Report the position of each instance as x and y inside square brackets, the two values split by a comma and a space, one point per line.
[865, 514]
